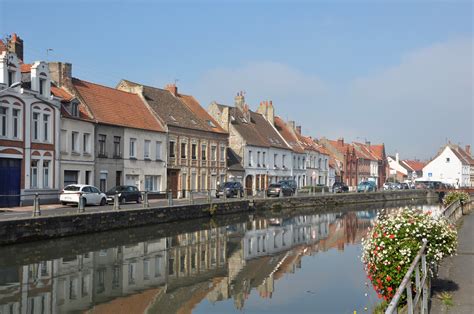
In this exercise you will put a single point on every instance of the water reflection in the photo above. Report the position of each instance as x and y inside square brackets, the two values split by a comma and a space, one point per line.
[176, 273]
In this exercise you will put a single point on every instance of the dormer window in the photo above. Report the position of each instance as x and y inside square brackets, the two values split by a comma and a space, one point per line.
[11, 76]
[42, 83]
[74, 110]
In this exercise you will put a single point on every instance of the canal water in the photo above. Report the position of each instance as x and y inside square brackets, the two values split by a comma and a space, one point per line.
[274, 264]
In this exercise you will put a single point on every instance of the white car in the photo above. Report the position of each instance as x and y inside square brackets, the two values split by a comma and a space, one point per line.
[93, 196]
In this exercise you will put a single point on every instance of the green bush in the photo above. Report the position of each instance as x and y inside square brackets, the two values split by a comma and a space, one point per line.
[454, 196]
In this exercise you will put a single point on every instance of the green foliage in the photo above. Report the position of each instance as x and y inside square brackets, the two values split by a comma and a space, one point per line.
[454, 196]
[446, 298]
[394, 241]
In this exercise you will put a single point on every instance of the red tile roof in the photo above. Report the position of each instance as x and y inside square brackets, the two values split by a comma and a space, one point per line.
[209, 123]
[378, 151]
[363, 151]
[25, 67]
[414, 165]
[61, 93]
[288, 135]
[116, 107]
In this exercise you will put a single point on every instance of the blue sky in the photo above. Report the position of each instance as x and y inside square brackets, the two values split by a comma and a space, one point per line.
[395, 71]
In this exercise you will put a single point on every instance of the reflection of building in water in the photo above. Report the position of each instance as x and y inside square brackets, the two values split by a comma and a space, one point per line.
[175, 274]
[111, 277]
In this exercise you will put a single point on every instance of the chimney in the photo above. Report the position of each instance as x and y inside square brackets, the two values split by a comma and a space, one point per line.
[172, 88]
[340, 141]
[16, 46]
[239, 101]
[397, 158]
[367, 143]
[298, 129]
[61, 73]
[267, 110]
[468, 149]
[292, 125]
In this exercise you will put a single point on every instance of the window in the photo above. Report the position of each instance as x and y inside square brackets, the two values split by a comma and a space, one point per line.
[152, 183]
[74, 110]
[3, 121]
[74, 143]
[102, 139]
[16, 123]
[222, 153]
[45, 174]
[258, 159]
[183, 150]
[86, 143]
[283, 161]
[213, 153]
[117, 150]
[36, 125]
[319, 163]
[34, 174]
[264, 159]
[158, 150]
[146, 153]
[10, 78]
[275, 156]
[250, 158]
[103, 182]
[132, 148]
[46, 127]
[42, 86]
[203, 152]
[448, 159]
[193, 151]
[171, 151]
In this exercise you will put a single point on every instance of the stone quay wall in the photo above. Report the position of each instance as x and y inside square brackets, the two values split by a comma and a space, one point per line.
[41, 228]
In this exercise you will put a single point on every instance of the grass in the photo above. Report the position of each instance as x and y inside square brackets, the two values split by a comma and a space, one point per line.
[446, 298]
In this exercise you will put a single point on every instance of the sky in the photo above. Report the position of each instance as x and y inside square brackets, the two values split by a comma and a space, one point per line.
[397, 72]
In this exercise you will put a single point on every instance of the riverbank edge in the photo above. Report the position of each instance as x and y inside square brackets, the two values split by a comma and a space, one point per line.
[41, 228]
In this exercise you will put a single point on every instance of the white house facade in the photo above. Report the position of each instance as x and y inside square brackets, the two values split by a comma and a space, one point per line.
[448, 166]
[29, 137]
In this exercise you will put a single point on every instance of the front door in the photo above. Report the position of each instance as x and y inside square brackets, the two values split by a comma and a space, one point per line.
[10, 176]
[172, 183]
[248, 184]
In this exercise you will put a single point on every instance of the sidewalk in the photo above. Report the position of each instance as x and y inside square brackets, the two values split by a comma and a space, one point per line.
[456, 274]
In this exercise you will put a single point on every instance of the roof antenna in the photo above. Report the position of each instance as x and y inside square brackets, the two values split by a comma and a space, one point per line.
[176, 81]
[47, 53]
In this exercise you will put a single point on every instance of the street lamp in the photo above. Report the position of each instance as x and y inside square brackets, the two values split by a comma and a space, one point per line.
[16, 84]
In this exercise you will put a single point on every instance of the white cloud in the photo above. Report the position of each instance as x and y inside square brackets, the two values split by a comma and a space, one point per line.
[412, 106]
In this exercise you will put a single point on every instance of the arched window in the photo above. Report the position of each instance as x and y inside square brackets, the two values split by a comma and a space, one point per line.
[11, 125]
[42, 121]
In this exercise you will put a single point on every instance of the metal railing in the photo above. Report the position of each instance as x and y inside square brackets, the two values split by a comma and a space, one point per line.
[421, 285]
[452, 213]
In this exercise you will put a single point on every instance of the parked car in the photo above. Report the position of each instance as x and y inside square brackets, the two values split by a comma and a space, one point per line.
[278, 189]
[231, 189]
[388, 186]
[404, 186]
[339, 187]
[126, 193]
[71, 194]
[366, 186]
[291, 183]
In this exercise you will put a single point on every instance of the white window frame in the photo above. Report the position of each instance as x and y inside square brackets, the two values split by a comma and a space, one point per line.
[4, 121]
[132, 148]
[46, 174]
[46, 130]
[146, 149]
[158, 150]
[75, 142]
[34, 173]
[86, 142]
[222, 153]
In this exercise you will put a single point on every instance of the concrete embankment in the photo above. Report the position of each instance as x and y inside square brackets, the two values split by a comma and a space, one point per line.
[39, 228]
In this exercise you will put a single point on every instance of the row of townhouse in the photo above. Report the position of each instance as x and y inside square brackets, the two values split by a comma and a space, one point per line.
[264, 149]
[357, 162]
[56, 130]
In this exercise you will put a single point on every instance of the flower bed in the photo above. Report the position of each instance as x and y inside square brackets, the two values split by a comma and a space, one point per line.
[454, 196]
[395, 239]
